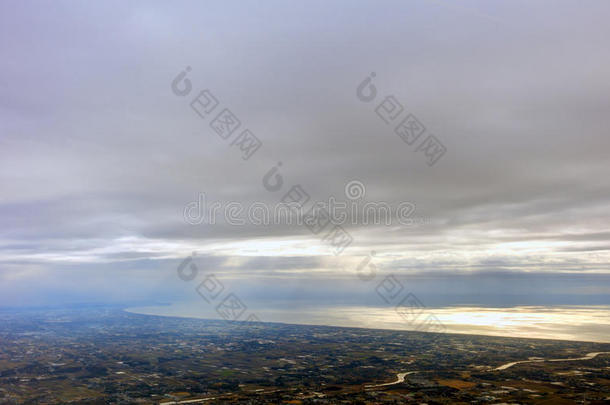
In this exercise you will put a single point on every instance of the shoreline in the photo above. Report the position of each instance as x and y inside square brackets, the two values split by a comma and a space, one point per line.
[137, 311]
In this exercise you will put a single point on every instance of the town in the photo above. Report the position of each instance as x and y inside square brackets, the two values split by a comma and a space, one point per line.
[95, 355]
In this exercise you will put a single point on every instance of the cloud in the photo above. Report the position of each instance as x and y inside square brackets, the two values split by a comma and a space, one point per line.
[98, 157]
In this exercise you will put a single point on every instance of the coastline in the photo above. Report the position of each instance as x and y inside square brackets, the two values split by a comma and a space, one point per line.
[378, 319]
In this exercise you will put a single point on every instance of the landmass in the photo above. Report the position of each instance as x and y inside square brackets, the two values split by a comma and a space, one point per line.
[100, 355]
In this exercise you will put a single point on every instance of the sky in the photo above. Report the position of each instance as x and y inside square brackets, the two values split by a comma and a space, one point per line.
[100, 157]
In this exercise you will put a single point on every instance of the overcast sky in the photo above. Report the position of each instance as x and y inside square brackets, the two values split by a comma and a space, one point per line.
[99, 157]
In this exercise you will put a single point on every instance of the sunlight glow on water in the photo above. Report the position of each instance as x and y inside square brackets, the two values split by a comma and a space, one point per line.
[585, 323]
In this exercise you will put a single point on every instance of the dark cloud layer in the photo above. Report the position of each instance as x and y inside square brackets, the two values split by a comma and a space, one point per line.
[98, 157]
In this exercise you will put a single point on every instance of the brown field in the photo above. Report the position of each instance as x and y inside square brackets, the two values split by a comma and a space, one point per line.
[457, 384]
[540, 387]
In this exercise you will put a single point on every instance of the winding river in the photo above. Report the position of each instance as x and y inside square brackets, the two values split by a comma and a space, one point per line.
[588, 356]
[400, 377]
